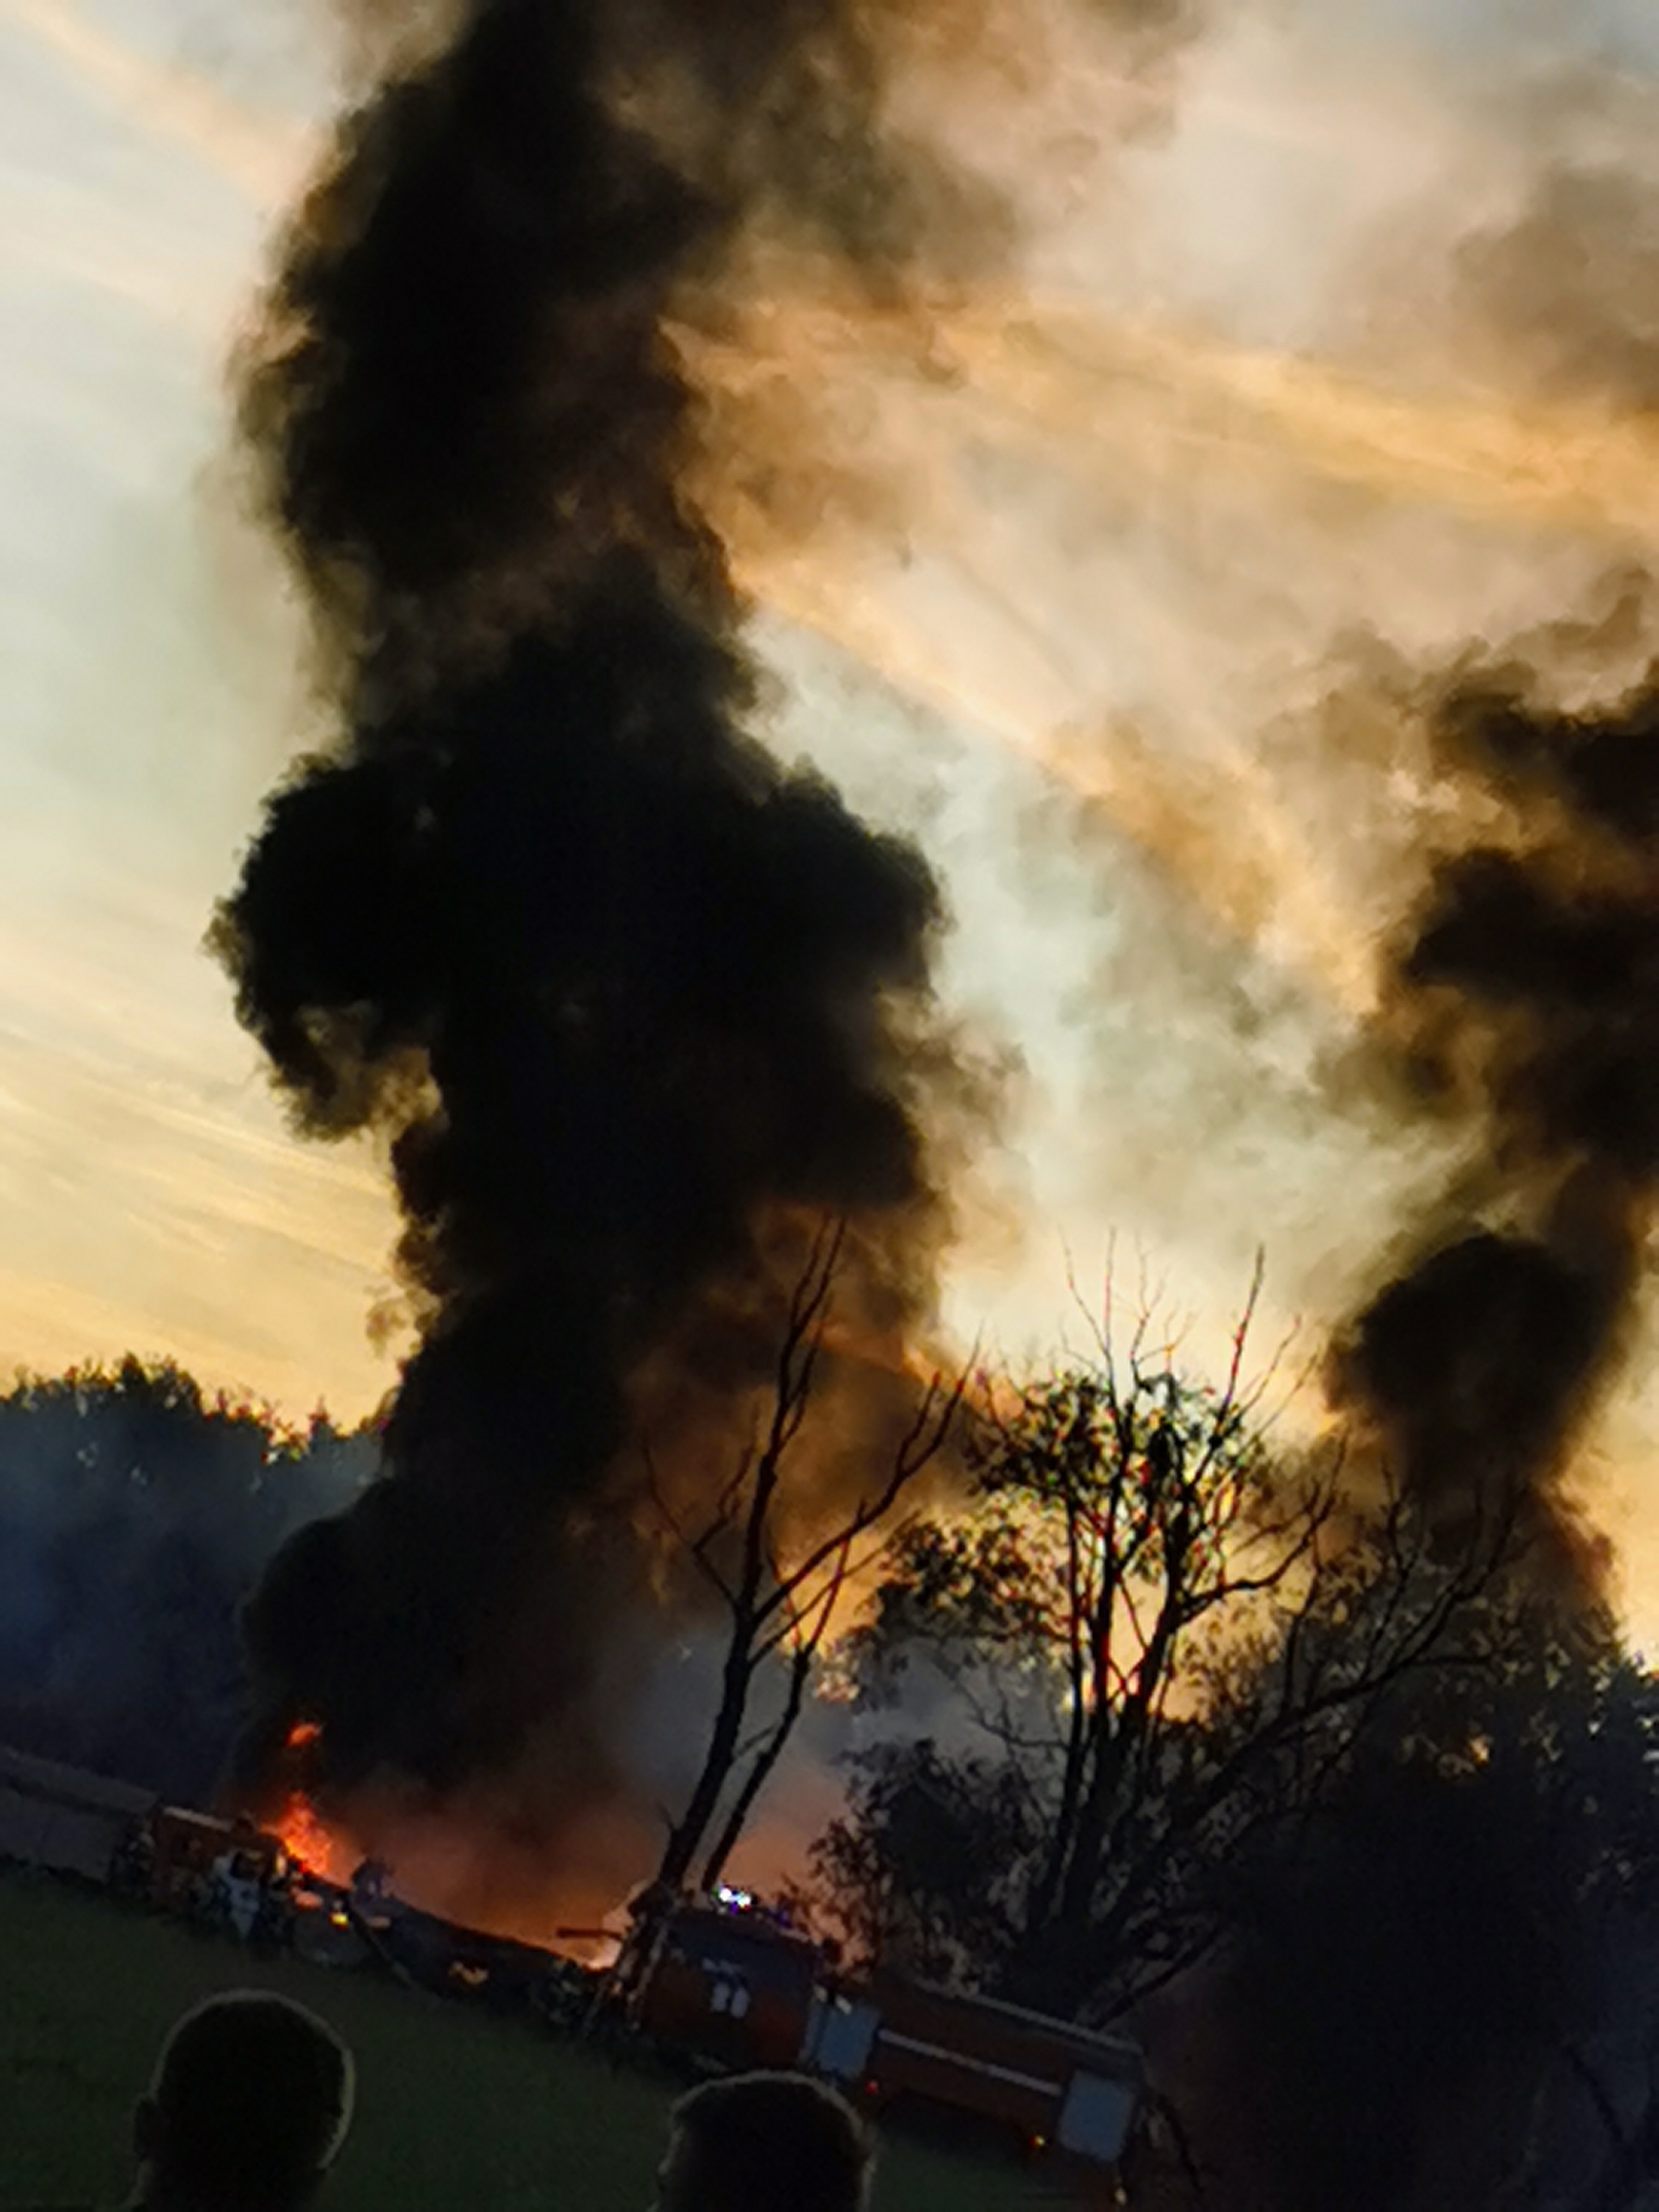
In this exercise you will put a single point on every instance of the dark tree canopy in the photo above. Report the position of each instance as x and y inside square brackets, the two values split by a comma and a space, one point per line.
[1144, 1644]
[137, 1513]
[1441, 1992]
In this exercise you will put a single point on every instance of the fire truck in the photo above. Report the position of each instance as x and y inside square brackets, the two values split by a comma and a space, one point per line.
[728, 1981]
[1053, 2084]
[740, 1987]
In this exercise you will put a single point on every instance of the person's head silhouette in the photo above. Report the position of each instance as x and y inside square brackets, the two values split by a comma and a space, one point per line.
[249, 2105]
[765, 2142]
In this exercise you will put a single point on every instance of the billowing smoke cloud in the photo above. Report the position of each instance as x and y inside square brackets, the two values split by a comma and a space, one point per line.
[1517, 789]
[634, 1006]
[1525, 992]
[631, 1005]
[1572, 289]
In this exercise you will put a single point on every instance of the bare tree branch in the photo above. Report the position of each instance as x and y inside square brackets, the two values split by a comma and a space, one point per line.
[771, 1602]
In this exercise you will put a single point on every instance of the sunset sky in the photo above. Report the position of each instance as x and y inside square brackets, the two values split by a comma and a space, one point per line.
[1240, 407]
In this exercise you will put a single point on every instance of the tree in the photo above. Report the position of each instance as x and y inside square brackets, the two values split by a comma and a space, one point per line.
[1437, 1987]
[925, 1873]
[780, 1607]
[1155, 1636]
[135, 1514]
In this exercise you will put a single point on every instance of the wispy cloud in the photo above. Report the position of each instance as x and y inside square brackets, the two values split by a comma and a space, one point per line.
[261, 155]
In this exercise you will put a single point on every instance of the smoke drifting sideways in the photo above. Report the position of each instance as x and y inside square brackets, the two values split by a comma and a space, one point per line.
[633, 1007]
[1524, 995]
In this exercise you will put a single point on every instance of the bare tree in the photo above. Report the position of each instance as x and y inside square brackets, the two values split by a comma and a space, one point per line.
[781, 1609]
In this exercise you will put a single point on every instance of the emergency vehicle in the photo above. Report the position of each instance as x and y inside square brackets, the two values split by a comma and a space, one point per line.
[738, 1986]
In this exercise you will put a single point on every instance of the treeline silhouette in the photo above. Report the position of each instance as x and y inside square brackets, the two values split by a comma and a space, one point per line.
[137, 1511]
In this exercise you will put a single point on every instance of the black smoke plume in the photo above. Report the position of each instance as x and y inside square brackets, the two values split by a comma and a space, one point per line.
[1525, 992]
[634, 1006]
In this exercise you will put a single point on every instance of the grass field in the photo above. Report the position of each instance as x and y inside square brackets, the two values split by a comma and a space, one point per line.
[454, 2110]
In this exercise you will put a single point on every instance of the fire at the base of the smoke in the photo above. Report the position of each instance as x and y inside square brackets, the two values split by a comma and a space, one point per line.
[312, 1844]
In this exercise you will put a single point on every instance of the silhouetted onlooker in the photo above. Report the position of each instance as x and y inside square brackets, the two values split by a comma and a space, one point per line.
[250, 2104]
[765, 2142]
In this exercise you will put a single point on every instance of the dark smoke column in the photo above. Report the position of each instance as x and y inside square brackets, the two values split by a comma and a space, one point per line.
[632, 1006]
[1525, 993]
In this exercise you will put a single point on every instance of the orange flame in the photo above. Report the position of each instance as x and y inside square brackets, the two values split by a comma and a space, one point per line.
[308, 1840]
[303, 1733]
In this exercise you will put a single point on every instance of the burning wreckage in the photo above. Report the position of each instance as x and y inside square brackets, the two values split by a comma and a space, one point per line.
[721, 1982]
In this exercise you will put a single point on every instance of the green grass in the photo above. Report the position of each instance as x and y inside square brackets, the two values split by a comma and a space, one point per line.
[454, 2110]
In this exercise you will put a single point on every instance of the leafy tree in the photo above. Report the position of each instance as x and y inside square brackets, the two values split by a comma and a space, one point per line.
[1144, 1642]
[1437, 1987]
[925, 1874]
[136, 1515]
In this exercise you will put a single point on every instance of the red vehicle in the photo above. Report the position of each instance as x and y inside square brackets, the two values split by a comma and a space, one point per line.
[730, 1984]
[727, 1981]
[1056, 2085]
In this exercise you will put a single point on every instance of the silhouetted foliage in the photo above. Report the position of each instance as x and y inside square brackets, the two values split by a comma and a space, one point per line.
[135, 1516]
[1437, 1990]
[926, 1870]
[1145, 1646]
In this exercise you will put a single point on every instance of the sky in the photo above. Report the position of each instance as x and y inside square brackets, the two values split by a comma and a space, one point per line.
[150, 1195]
[1097, 569]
